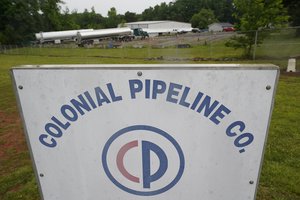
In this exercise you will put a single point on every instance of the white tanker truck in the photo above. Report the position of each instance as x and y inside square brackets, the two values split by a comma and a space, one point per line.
[121, 34]
[88, 37]
[58, 36]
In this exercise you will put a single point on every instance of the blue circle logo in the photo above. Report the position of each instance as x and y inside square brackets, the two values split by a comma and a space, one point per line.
[143, 160]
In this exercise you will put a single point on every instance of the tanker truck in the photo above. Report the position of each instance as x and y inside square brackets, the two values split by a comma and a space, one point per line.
[58, 36]
[119, 34]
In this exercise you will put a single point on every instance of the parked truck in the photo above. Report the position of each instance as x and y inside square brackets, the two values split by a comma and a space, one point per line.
[58, 36]
[118, 34]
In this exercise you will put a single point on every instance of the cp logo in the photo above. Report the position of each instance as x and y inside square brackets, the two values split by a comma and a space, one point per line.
[143, 160]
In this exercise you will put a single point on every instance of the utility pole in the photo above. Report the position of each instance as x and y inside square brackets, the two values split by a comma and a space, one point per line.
[255, 44]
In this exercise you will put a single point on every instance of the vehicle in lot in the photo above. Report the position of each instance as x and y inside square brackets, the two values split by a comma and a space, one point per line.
[58, 37]
[228, 29]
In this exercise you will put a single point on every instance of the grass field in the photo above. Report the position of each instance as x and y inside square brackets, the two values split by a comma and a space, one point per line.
[218, 50]
[280, 178]
[273, 50]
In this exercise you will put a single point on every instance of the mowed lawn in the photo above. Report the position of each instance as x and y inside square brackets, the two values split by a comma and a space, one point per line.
[280, 178]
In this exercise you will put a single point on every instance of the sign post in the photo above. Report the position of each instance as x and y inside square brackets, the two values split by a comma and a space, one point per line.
[168, 132]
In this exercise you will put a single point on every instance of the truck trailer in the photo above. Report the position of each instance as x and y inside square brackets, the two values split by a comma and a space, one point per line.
[88, 37]
[58, 36]
[120, 34]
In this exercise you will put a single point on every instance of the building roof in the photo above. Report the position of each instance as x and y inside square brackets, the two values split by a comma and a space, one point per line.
[151, 22]
[223, 24]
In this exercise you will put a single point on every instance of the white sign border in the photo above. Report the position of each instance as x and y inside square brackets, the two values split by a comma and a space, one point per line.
[139, 68]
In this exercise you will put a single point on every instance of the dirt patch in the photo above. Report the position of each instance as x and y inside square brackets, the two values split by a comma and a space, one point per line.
[295, 74]
[12, 138]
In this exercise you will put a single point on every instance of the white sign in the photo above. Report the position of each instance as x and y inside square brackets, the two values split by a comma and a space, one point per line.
[170, 132]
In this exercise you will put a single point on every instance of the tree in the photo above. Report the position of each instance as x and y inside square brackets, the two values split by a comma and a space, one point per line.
[254, 15]
[51, 14]
[293, 7]
[130, 17]
[183, 10]
[18, 21]
[162, 11]
[112, 20]
[203, 19]
[223, 10]
[68, 22]
[159, 12]
[147, 14]
[89, 19]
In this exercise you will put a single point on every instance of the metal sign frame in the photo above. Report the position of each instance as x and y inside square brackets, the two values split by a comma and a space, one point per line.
[140, 69]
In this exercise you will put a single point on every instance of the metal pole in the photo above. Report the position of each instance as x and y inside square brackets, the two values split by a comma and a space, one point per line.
[210, 41]
[255, 44]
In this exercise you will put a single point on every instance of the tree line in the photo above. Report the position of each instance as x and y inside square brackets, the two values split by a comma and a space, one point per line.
[20, 19]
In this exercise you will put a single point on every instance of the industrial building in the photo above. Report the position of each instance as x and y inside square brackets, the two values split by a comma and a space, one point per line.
[155, 28]
[218, 27]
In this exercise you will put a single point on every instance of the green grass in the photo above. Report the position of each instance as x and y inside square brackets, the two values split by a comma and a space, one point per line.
[280, 174]
[131, 55]
[216, 50]
[19, 184]
[278, 49]
[280, 179]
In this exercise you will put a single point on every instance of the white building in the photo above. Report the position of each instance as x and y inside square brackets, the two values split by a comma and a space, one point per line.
[155, 28]
[216, 27]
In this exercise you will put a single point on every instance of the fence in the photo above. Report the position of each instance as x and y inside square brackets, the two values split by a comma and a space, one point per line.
[277, 43]
[274, 45]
